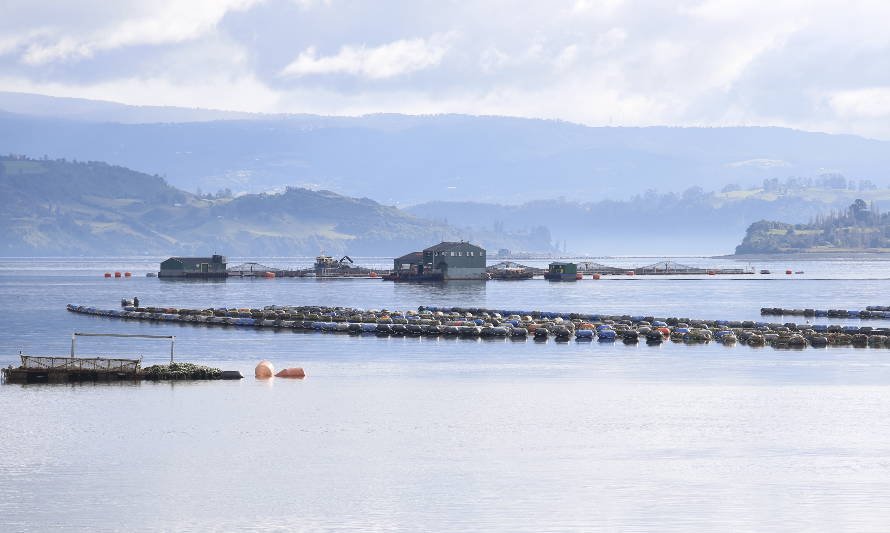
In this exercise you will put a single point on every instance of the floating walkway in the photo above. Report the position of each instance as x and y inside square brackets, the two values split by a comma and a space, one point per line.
[432, 321]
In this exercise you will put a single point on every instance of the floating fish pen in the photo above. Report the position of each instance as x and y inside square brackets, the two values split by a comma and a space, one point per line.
[58, 369]
[590, 268]
[324, 267]
[663, 268]
[431, 321]
[871, 312]
[52, 369]
[509, 270]
[328, 267]
[257, 270]
[672, 268]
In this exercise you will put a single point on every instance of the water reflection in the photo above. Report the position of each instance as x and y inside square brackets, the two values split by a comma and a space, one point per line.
[447, 433]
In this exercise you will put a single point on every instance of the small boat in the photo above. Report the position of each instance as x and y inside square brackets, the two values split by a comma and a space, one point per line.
[764, 271]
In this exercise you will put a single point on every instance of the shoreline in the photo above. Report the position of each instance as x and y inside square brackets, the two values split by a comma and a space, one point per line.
[807, 256]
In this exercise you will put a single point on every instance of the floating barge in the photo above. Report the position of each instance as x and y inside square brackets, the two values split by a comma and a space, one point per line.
[52, 369]
[559, 271]
[60, 369]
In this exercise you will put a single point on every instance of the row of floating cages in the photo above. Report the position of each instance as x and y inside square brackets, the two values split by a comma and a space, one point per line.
[257, 270]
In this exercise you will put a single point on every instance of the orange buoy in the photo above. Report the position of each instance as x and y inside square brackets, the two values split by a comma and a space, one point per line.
[127, 274]
[292, 372]
[117, 274]
[108, 274]
[268, 275]
[712, 272]
[264, 370]
[595, 276]
[789, 272]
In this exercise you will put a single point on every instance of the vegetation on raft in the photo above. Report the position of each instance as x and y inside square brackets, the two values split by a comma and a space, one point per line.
[181, 371]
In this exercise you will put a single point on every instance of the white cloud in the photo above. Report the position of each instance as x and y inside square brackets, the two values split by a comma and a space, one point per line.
[598, 7]
[810, 64]
[566, 57]
[871, 102]
[311, 4]
[169, 21]
[492, 59]
[385, 61]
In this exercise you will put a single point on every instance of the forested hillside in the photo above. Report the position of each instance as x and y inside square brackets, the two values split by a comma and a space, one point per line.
[58, 207]
[859, 227]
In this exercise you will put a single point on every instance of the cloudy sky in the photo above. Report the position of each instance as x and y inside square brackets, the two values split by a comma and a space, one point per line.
[809, 64]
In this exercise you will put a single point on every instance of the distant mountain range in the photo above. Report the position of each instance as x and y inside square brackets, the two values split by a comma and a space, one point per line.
[692, 222]
[57, 207]
[406, 160]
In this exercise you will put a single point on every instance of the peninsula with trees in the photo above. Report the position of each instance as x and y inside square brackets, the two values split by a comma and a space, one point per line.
[861, 227]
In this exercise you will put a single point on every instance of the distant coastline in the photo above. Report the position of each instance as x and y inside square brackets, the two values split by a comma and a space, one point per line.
[816, 255]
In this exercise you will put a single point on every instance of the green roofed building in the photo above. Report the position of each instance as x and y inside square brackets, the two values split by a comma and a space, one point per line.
[194, 267]
[455, 260]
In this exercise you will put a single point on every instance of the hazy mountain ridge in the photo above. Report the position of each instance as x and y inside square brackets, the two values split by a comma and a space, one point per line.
[67, 208]
[693, 222]
[399, 159]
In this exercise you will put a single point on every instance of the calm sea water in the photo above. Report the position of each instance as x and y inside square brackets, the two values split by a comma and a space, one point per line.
[411, 434]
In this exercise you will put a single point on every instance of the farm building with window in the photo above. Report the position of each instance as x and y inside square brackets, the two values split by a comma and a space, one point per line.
[194, 267]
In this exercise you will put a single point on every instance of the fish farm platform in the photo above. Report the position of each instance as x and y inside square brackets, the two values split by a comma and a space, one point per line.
[51, 369]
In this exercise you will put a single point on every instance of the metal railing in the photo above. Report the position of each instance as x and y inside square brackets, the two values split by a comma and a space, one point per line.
[80, 364]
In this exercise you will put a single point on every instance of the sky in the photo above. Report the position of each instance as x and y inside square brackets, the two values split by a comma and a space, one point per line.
[807, 64]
